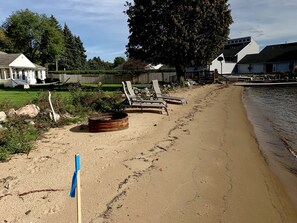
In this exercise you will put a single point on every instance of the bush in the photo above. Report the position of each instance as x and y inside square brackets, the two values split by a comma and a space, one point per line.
[18, 137]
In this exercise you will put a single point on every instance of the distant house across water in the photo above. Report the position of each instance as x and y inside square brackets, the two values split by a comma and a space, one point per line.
[279, 58]
[233, 52]
[243, 56]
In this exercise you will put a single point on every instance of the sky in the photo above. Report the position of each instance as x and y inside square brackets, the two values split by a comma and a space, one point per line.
[103, 29]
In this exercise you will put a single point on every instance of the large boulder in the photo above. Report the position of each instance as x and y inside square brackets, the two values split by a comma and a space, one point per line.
[2, 116]
[30, 110]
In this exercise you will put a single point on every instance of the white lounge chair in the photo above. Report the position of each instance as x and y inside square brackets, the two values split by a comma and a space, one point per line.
[138, 103]
[167, 98]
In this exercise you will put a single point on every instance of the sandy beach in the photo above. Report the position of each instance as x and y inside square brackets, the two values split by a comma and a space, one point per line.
[199, 164]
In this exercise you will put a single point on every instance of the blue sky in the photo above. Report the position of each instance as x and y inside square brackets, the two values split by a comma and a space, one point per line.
[102, 25]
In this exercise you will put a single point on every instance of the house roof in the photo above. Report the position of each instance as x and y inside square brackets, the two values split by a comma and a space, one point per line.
[232, 50]
[233, 46]
[273, 53]
[6, 59]
[39, 67]
[251, 58]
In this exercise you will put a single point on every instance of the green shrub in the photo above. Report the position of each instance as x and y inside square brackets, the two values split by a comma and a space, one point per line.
[17, 137]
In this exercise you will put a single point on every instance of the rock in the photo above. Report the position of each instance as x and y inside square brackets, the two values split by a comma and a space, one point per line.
[30, 122]
[10, 113]
[2, 117]
[30, 110]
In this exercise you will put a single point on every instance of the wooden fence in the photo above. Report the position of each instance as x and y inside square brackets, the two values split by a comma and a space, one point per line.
[114, 78]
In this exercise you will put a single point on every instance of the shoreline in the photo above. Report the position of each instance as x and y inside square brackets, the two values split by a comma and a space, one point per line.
[193, 165]
[280, 158]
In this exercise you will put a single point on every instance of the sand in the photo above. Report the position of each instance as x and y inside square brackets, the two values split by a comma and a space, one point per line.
[199, 164]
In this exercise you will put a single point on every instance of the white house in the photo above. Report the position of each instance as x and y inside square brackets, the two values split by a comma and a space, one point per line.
[234, 50]
[17, 69]
[273, 58]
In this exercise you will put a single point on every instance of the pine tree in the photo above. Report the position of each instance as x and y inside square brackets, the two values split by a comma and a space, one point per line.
[52, 42]
[73, 57]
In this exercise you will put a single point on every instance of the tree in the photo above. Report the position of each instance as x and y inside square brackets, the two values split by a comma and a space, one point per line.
[79, 54]
[97, 64]
[42, 40]
[118, 61]
[25, 29]
[134, 64]
[73, 56]
[52, 42]
[5, 42]
[38, 37]
[178, 33]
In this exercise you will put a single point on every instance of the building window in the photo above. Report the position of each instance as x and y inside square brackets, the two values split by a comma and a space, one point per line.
[231, 59]
[23, 75]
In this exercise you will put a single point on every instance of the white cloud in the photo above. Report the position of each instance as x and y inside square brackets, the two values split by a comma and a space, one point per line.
[102, 25]
[265, 20]
[109, 53]
[83, 11]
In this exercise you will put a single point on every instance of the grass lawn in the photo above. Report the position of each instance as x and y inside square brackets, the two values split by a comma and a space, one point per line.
[21, 97]
[18, 96]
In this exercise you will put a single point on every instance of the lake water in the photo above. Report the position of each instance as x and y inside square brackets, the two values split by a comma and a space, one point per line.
[273, 113]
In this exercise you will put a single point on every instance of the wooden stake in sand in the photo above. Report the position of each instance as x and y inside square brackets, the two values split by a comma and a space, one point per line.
[53, 114]
[76, 186]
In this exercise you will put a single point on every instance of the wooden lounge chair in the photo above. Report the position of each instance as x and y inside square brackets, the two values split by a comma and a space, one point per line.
[142, 103]
[167, 98]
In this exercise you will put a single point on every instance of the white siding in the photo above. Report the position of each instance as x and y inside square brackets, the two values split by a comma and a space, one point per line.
[228, 68]
[255, 68]
[251, 48]
[22, 62]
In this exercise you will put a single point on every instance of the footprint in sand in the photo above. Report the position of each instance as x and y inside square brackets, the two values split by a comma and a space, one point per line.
[163, 146]
[8, 183]
[35, 162]
[138, 164]
[33, 168]
[52, 210]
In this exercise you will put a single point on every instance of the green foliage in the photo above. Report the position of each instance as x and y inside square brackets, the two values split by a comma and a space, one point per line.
[134, 64]
[52, 42]
[83, 102]
[42, 40]
[25, 29]
[118, 61]
[177, 33]
[19, 135]
[5, 42]
[6, 104]
[73, 56]
[97, 64]
[17, 138]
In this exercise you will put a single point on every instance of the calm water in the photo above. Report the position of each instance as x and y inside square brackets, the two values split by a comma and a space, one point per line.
[273, 113]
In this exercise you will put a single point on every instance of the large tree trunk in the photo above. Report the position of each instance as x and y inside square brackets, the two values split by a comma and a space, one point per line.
[180, 72]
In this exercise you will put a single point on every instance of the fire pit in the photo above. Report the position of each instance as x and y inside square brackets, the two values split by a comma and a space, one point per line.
[108, 122]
